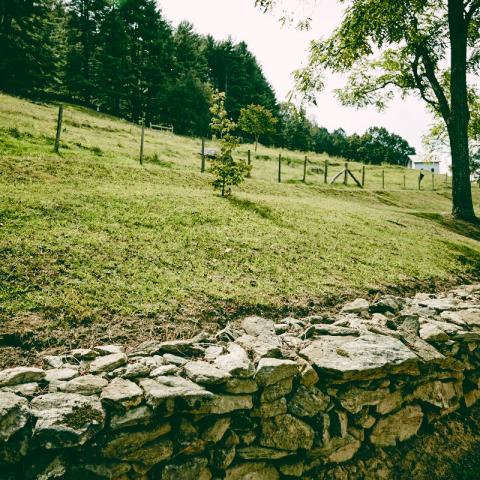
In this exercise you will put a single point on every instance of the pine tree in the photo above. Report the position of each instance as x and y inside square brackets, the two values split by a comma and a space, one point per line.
[32, 51]
[111, 70]
[234, 70]
[150, 59]
[84, 20]
[189, 95]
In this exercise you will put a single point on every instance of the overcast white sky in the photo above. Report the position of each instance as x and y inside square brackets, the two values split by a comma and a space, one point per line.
[282, 50]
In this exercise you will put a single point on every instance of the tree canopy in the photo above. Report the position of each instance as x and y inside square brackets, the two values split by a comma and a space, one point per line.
[256, 120]
[424, 47]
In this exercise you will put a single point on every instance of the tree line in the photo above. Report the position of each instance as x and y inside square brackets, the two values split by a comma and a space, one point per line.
[376, 146]
[124, 58]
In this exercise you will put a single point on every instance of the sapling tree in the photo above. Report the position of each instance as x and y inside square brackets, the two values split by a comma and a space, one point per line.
[257, 120]
[228, 171]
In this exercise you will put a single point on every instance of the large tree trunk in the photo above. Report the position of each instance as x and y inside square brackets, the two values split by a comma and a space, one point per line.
[459, 114]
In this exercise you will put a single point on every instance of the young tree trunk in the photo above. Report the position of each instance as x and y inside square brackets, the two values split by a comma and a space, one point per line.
[459, 114]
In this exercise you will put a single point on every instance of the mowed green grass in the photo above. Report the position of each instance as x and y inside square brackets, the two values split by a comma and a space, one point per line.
[95, 247]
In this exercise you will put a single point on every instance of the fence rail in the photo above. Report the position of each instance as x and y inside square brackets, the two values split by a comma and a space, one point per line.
[302, 170]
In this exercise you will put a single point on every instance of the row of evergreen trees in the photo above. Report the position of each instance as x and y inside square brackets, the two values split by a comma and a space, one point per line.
[124, 58]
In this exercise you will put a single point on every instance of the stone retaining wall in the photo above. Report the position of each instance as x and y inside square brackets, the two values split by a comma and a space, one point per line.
[263, 401]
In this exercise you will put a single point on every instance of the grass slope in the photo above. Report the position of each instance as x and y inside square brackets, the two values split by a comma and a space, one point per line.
[95, 247]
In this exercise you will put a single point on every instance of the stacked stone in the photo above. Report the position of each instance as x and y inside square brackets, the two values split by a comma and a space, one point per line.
[262, 401]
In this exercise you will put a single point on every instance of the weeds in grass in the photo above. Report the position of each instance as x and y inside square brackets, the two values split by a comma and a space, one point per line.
[156, 160]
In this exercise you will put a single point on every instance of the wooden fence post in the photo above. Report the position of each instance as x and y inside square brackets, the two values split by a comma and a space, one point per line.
[59, 128]
[202, 165]
[420, 181]
[345, 175]
[249, 162]
[363, 176]
[279, 168]
[383, 179]
[305, 169]
[325, 172]
[404, 182]
[142, 139]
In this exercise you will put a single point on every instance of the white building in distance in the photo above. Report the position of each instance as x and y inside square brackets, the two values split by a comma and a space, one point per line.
[438, 162]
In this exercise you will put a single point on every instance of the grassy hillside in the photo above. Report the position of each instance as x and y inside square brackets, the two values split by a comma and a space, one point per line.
[95, 247]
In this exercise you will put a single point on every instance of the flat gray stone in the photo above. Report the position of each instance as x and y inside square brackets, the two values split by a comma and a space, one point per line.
[270, 409]
[438, 304]
[84, 354]
[126, 445]
[218, 404]
[397, 427]
[337, 449]
[17, 375]
[286, 432]
[122, 393]
[265, 345]
[308, 402]
[109, 349]
[439, 394]
[357, 306]
[431, 332]
[205, 373]
[167, 389]
[240, 386]
[215, 432]
[388, 303]
[14, 414]
[467, 336]
[257, 326]
[181, 347]
[136, 416]
[277, 390]
[319, 330]
[175, 360]
[108, 363]
[60, 374]
[272, 370]
[470, 317]
[164, 370]
[84, 385]
[136, 370]
[147, 348]
[27, 390]
[213, 352]
[359, 358]
[236, 362]
[66, 419]
[354, 399]
[55, 361]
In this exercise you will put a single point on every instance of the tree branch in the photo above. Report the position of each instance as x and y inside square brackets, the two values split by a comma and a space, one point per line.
[421, 85]
[474, 7]
[428, 64]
